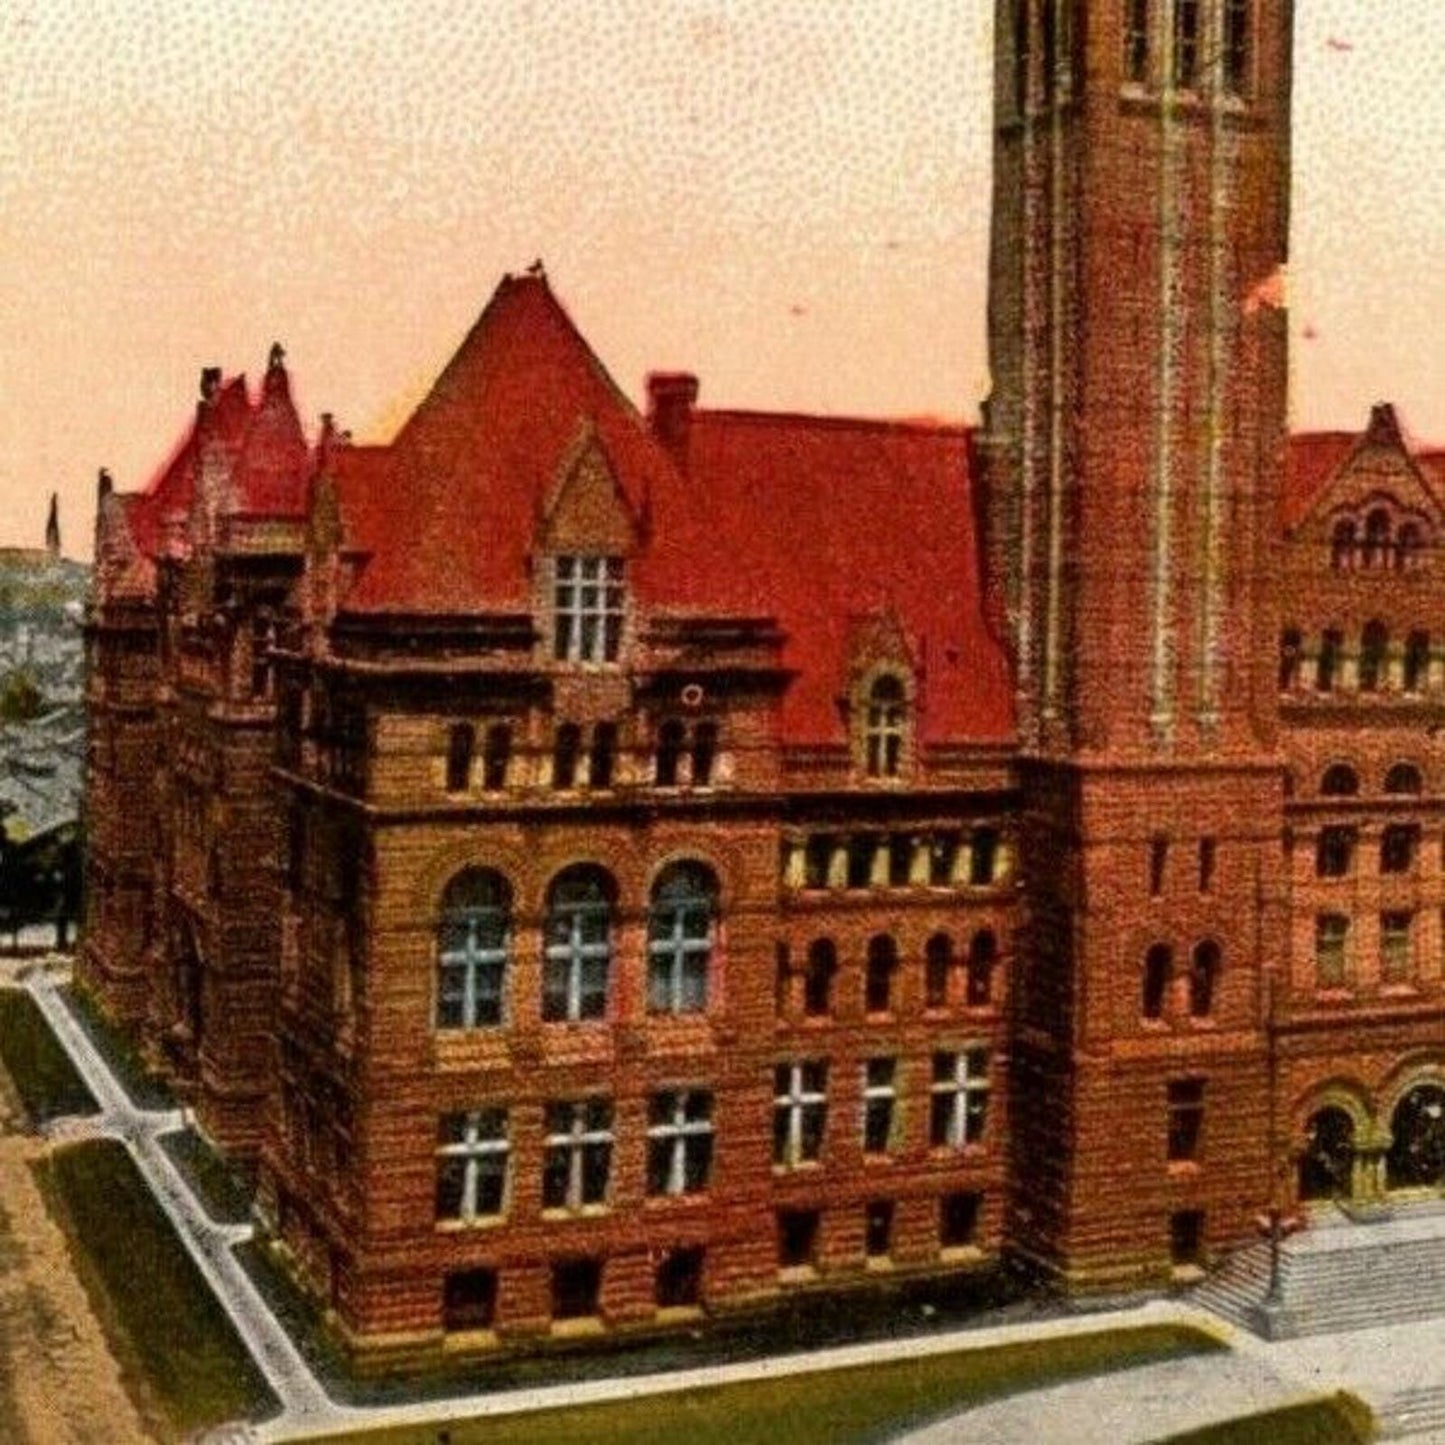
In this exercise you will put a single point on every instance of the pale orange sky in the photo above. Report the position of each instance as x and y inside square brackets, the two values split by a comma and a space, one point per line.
[788, 196]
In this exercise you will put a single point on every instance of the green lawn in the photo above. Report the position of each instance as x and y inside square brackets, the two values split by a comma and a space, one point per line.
[839, 1407]
[180, 1358]
[221, 1189]
[44, 1077]
[1337, 1420]
[119, 1051]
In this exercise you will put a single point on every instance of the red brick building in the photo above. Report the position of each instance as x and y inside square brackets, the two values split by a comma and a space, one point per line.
[599, 867]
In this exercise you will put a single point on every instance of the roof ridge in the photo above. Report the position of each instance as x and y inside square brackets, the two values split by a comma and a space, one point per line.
[913, 426]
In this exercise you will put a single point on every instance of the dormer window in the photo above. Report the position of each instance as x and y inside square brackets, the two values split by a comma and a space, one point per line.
[884, 730]
[587, 609]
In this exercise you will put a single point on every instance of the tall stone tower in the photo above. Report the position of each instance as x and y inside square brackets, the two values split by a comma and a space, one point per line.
[1131, 463]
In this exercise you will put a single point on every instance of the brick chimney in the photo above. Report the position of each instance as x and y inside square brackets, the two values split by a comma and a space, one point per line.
[671, 396]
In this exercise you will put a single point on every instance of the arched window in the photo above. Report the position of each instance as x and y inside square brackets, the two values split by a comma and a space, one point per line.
[1327, 669]
[474, 944]
[1404, 778]
[982, 955]
[1342, 545]
[671, 738]
[1377, 538]
[883, 736]
[878, 982]
[1290, 644]
[1340, 781]
[938, 961]
[1415, 676]
[818, 978]
[577, 955]
[681, 925]
[1203, 979]
[704, 753]
[1374, 645]
[1408, 545]
[603, 757]
[1158, 974]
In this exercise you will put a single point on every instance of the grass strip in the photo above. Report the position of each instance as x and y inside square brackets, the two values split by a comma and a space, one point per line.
[854, 1406]
[180, 1357]
[143, 1089]
[222, 1190]
[46, 1081]
[1340, 1419]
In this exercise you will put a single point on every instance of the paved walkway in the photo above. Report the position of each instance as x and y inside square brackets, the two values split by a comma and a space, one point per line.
[1139, 1405]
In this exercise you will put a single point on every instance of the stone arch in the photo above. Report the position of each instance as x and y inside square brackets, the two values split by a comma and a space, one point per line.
[1334, 1143]
[1412, 1124]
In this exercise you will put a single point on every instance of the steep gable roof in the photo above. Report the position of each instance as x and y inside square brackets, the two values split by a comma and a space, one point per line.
[472, 468]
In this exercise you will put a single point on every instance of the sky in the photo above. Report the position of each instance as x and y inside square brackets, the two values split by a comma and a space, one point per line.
[788, 197]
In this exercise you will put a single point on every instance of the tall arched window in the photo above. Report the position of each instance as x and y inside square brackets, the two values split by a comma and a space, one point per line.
[566, 749]
[1416, 672]
[681, 928]
[818, 978]
[577, 957]
[1203, 978]
[1327, 669]
[1377, 538]
[878, 981]
[1342, 545]
[1408, 545]
[1290, 645]
[883, 735]
[938, 961]
[1339, 781]
[1158, 974]
[1374, 646]
[474, 944]
[982, 956]
[671, 739]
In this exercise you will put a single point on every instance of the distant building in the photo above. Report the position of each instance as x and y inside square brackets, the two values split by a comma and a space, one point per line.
[604, 869]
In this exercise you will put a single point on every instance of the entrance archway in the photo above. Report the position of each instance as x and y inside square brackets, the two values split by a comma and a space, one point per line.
[1417, 1151]
[1326, 1166]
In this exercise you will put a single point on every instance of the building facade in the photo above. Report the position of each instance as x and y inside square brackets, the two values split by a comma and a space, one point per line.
[600, 868]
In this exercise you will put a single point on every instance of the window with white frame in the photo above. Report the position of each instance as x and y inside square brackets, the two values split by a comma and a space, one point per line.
[680, 929]
[587, 604]
[679, 1141]
[472, 1154]
[959, 1098]
[883, 734]
[578, 1158]
[800, 1112]
[577, 956]
[474, 943]
[880, 1097]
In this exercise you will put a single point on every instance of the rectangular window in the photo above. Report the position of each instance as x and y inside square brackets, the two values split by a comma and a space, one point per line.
[983, 868]
[679, 1279]
[878, 1228]
[679, 1141]
[1158, 862]
[879, 1098]
[1395, 959]
[1208, 856]
[497, 757]
[943, 859]
[576, 1288]
[958, 1098]
[566, 748]
[469, 1300]
[1399, 845]
[800, 1112]
[472, 1153]
[1332, 934]
[1136, 42]
[579, 1154]
[587, 607]
[1186, 44]
[704, 753]
[1186, 1237]
[459, 757]
[1335, 852]
[1237, 47]
[1327, 669]
[797, 1238]
[1186, 1119]
[604, 755]
[958, 1220]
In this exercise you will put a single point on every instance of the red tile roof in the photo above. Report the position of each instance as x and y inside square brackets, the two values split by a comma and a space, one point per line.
[813, 521]
[1314, 457]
